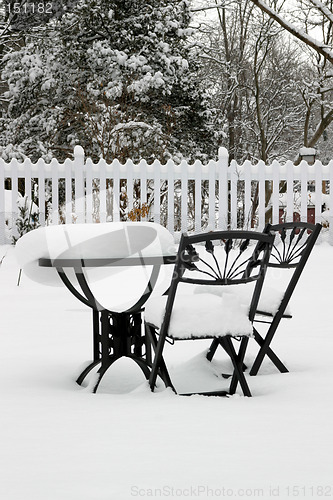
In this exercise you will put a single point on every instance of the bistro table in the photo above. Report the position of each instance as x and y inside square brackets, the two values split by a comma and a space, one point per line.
[113, 268]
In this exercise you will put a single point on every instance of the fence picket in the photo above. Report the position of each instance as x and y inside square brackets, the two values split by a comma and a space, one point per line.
[116, 192]
[184, 203]
[55, 192]
[27, 181]
[290, 191]
[223, 188]
[143, 183]
[304, 191]
[78, 166]
[2, 205]
[41, 192]
[233, 194]
[130, 185]
[89, 191]
[211, 195]
[275, 193]
[102, 191]
[318, 193]
[262, 192]
[198, 196]
[247, 195]
[330, 203]
[171, 202]
[157, 191]
[68, 192]
[15, 191]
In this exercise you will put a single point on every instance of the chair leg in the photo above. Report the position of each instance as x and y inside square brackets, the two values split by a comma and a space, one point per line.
[265, 350]
[212, 349]
[237, 361]
[158, 366]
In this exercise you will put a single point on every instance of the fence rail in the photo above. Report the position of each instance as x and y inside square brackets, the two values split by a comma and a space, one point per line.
[183, 197]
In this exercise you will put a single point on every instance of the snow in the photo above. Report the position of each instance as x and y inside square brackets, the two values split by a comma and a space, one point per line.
[194, 314]
[60, 442]
[20, 202]
[269, 301]
[307, 151]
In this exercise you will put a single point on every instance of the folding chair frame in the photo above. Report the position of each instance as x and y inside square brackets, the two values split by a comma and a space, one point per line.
[185, 260]
[286, 262]
[283, 261]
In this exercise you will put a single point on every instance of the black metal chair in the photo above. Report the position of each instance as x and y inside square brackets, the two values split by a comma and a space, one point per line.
[293, 244]
[230, 261]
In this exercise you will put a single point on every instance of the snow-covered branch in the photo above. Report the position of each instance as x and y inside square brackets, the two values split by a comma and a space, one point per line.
[296, 32]
[323, 9]
[208, 7]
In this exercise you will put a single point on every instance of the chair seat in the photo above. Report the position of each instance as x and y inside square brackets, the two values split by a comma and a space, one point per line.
[201, 316]
[269, 301]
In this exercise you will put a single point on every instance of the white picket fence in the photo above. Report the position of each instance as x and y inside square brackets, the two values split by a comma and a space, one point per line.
[195, 197]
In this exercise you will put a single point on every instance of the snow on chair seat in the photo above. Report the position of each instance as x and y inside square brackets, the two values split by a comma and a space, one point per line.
[269, 301]
[201, 316]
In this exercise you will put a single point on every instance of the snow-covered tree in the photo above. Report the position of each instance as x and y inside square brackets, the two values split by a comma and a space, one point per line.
[311, 22]
[305, 28]
[253, 73]
[116, 77]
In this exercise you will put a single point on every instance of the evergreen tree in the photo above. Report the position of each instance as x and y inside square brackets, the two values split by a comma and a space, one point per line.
[116, 77]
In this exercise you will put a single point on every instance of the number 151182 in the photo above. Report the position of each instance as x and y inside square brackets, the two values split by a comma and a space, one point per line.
[29, 8]
[309, 491]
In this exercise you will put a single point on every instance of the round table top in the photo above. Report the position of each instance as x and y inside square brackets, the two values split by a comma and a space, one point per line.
[111, 241]
[117, 251]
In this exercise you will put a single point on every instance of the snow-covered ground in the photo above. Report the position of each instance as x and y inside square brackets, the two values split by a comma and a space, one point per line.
[59, 442]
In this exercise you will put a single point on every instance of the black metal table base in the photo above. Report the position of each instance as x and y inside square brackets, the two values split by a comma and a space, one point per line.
[115, 335]
[119, 335]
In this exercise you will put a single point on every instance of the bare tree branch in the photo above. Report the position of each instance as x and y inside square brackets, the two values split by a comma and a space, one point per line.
[296, 32]
[209, 7]
[323, 9]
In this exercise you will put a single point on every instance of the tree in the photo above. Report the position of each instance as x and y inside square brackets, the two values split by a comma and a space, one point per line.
[116, 77]
[311, 23]
[252, 71]
[312, 20]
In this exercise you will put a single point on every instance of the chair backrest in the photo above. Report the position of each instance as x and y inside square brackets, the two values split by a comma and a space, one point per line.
[292, 246]
[222, 258]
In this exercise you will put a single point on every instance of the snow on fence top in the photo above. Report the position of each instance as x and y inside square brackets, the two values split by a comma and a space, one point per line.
[182, 197]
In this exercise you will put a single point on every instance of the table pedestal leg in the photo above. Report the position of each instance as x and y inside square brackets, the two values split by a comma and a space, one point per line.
[120, 334]
[96, 351]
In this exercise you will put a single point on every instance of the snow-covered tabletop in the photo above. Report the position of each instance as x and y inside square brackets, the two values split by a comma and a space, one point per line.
[98, 247]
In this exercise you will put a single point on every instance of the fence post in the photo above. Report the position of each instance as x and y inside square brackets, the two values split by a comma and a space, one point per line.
[223, 187]
[78, 165]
